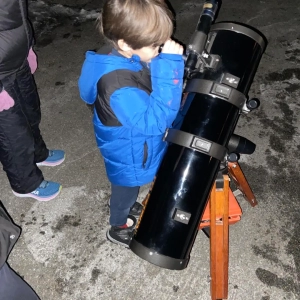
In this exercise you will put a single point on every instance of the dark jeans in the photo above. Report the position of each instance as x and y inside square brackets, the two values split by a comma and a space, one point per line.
[21, 143]
[121, 200]
[13, 287]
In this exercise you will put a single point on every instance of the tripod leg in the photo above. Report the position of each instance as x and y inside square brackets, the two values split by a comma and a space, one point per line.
[219, 239]
[241, 182]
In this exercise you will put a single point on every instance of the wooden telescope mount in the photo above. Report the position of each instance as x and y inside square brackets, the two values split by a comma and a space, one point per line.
[223, 210]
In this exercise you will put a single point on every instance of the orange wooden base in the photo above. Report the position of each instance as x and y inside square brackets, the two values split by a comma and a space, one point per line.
[219, 239]
[222, 210]
[235, 212]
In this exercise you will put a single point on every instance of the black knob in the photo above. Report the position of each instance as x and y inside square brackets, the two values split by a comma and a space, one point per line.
[233, 157]
[252, 103]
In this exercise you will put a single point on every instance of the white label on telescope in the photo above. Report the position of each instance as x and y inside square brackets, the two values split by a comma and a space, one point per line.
[222, 90]
[230, 80]
[201, 144]
[181, 216]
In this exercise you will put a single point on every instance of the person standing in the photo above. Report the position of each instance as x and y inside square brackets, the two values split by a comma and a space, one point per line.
[12, 286]
[22, 148]
[136, 92]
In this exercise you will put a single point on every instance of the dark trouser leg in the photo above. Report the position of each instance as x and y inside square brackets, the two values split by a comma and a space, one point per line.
[122, 198]
[24, 91]
[21, 144]
[13, 287]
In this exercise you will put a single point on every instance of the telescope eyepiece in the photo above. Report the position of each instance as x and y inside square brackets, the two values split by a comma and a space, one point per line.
[240, 145]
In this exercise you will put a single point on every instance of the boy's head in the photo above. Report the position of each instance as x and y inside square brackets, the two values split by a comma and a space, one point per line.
[137, 26]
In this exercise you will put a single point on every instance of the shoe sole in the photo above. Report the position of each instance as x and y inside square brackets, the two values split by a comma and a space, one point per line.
[51, 164]
[38, 198]
[111, 239]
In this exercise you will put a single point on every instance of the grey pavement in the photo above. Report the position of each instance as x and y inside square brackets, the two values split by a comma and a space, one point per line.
[63, 252]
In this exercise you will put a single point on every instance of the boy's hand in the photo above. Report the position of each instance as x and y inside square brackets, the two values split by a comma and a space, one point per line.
[172, 47]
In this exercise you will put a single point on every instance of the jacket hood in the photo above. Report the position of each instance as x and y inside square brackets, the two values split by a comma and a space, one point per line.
[96, 65]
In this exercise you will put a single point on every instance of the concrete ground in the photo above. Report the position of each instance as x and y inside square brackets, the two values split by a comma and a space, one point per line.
[63, 252]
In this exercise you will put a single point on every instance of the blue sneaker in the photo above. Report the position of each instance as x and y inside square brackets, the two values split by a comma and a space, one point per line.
[46, 191]
[55, 158]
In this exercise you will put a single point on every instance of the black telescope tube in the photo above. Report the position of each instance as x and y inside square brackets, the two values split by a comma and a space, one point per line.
[170, 221]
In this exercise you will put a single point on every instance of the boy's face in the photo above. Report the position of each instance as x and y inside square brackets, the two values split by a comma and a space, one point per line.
[146, 53]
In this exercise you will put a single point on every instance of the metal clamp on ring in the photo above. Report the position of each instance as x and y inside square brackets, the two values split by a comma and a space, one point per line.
[222, 91]
[194, 142]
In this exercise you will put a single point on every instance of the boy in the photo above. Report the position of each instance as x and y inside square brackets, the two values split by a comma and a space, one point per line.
[136, 94]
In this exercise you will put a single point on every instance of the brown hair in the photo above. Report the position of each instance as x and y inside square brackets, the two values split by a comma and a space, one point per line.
[140, 23]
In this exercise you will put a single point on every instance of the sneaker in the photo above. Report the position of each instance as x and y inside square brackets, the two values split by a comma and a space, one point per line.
[120, 235]
[46, 191]
[135, 210]
[55, 158]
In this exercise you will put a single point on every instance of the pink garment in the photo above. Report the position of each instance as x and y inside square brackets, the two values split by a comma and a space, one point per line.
[32, 60]
[6, 101]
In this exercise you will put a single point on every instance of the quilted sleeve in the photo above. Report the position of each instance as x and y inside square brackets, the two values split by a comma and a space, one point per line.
[152, 114]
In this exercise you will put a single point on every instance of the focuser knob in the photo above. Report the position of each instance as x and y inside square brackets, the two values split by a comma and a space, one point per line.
[252, 103]
[233, 157]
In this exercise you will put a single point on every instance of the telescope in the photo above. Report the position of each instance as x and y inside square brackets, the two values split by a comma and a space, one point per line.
[221, 62]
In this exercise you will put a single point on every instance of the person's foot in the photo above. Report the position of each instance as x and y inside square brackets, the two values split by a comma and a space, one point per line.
[135, 210]
[46, 191]
[55, 158]
[122, 234]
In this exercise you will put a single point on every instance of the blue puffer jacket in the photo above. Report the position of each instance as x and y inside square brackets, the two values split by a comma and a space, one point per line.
[133, 151]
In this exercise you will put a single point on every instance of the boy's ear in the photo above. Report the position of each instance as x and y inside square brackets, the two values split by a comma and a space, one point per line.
[123, 45]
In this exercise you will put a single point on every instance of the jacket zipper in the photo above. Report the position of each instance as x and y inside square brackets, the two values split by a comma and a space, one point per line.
[145, 154]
